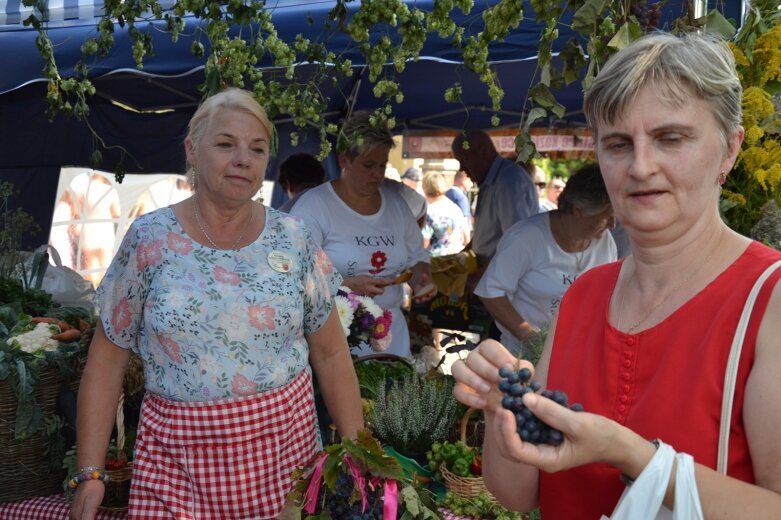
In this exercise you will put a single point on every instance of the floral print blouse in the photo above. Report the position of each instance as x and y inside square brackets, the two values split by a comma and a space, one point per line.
[213, 324]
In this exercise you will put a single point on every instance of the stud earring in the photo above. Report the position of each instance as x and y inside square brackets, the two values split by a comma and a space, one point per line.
[722, 178]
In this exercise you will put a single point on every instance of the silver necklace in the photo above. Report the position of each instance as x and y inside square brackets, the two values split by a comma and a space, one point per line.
[579, 259]
[203, 229]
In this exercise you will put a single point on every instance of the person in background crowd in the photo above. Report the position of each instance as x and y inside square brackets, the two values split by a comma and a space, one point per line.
[230, 305]
[415, 200]
[552, 191]
[538, 258]
[459, 194]
[644, 343]
[446, 231]
[366, 228]
[623, 246]
[506, 194]
[538, 176]
[297, 174]
[411, 177]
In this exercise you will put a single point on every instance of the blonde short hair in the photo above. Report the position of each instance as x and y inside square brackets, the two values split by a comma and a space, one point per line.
[231, 98]
[434, 183]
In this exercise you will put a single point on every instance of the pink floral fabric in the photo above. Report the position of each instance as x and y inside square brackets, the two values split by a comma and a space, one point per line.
[212, 324]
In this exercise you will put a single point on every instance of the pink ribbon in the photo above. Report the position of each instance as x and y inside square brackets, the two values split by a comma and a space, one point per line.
[310, 504]
[357, 474]
[390, 504]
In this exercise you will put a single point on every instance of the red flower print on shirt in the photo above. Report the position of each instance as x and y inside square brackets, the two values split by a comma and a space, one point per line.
[379, 259]
[262, 317]
[240, 385]
[148, 255]
[171, 349]
[224, 276]
[179, 244]
[323, 262]
[120, 316]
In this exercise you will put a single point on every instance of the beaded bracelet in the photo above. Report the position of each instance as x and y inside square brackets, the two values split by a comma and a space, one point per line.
[88, 473]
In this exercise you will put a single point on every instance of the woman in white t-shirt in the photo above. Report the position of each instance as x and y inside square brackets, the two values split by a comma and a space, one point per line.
[537, 259]
[366, 228]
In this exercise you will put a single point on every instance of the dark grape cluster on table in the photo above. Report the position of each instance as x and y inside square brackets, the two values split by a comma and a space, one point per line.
[515, 384]
[337, 501]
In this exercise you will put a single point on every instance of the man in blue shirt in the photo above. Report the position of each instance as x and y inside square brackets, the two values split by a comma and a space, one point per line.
[458, 194]
[506, 191]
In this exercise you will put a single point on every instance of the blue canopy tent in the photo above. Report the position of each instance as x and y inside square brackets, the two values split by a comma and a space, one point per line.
[146, 112]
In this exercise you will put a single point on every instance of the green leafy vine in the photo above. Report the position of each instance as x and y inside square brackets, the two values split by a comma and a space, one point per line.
[233, 37]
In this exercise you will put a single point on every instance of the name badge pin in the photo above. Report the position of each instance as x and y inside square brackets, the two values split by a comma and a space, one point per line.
[280, 261]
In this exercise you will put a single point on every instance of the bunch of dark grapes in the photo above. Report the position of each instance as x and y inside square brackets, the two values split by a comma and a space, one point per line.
[515, 384]
[647, 15]
[338, 501]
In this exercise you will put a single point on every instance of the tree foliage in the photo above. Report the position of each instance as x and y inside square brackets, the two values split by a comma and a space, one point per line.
[233, 37]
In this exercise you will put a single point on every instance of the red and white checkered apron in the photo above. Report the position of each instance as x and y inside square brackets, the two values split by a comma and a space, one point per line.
[226, 459]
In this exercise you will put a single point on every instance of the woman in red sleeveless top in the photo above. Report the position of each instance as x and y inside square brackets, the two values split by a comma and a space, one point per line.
[643, 343]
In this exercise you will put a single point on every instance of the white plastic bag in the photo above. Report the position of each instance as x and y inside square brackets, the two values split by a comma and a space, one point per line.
[67, 287]
[643, 499]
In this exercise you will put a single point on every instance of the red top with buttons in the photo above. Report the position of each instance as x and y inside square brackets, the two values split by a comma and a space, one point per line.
[664, 382]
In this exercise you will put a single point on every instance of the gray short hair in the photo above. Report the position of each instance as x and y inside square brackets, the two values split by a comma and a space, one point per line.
[359, 134]
[585, 189]
[678, 67]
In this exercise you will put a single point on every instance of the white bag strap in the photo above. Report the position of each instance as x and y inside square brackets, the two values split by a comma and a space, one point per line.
[643, 499]
[687, 497]
[730, 375]
[55, 256]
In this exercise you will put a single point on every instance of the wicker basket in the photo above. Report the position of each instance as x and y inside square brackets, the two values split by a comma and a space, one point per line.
[117, 494]
[467, 487]
[25, 467]
[80, 361]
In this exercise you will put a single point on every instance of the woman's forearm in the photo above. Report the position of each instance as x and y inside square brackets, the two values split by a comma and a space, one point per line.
[330, 358]
[515, 485]
[503, 312]
[101, 384]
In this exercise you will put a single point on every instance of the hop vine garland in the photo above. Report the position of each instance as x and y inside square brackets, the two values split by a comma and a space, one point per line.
[234, 36]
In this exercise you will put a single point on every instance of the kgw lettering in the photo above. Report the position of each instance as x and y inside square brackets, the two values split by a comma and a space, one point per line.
[567, 279]
[374, 241]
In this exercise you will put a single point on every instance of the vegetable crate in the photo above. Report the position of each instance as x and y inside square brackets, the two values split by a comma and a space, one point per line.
[26, 467]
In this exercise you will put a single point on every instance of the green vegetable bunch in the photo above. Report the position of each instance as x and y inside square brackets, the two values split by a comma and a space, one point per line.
[21, 365]
[414, 413]
[482, 506]
[459, 458]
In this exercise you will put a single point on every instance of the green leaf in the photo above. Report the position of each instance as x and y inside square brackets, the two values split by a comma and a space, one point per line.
[628, 33]
[8, 316]
[588, 15]
[331, 468]
[715, 22]
[535, 114]
[545, 74]
[574, 59]
[542, 95]
[368, 453]
[524, 147]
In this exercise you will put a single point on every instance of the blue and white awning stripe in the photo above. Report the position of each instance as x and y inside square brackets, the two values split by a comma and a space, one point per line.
[13, 12]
